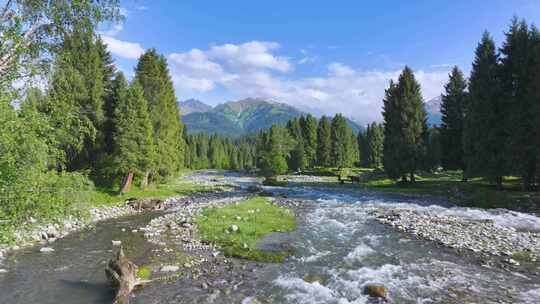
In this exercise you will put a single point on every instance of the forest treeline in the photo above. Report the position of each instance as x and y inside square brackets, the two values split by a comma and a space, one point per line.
[490, 123]
[70, 120]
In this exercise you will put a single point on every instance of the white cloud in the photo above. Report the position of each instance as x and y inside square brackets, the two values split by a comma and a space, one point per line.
[251, 55]
[114, 30]
[254, 70]
[124, 49]
[339, 69]
[440, 66]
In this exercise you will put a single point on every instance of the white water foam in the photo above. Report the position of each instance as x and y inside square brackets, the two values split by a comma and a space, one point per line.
[531, 296]
[302, 292]
[361, 251]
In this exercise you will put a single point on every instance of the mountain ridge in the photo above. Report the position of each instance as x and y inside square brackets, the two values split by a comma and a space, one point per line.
[241, 117]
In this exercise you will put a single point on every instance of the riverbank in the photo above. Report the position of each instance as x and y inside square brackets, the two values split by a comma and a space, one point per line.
[446, 184]
[99, 204]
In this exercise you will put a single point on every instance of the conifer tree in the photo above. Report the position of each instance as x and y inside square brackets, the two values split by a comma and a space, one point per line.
[361, 138]
[80, 50]
[109, 75]
[374, 140]
[324, 145]
[516, 71]
[134, 150]
[405, 127]
[451, 131]
[308, 125]
[153, 75]
[485, 133]
[342, 146]
[72, 128]
[298, 160]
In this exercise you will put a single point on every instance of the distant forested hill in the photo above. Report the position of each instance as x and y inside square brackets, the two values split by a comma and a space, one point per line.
[237, 118]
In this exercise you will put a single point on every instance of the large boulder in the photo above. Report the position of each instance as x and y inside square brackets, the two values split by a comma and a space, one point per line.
[375, 291]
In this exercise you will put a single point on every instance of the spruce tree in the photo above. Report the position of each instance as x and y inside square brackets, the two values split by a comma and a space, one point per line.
[324, 146]
[451, 131]
[516, 71]
[298, 160]
[374, 140]
[109, 76]
[308, 125]
[71, 127]
[362, 147]
[81, 51]
[153, 75]
[405, 127]
[134, 149]
[486, 130]
[342, 145]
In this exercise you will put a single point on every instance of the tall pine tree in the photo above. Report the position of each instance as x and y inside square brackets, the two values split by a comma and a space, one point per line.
[405, 127]
[134, 149]
[343, 146]
[324, 145]
[153, 75]
[486, 130]
[516, 71]
[451, 131]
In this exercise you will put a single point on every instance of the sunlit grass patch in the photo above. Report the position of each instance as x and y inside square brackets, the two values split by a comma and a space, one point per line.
[254, 218]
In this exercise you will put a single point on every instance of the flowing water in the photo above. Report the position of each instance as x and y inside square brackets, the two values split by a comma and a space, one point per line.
[339, 247]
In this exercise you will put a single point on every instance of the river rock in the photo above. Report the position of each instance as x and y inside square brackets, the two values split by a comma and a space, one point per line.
[169, 268]
[46, 250]
[375, 291]
[116, 243]
[3, 271]
[313, 278]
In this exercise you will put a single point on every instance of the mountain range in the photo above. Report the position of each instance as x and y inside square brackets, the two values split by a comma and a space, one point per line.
[433, 109]
[237, 118]
[247, 116]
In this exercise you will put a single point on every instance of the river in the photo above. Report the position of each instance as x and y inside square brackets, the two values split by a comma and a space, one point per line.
[339, 247]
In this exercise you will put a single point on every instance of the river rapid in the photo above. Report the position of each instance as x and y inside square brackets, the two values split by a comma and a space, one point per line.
[340, 246]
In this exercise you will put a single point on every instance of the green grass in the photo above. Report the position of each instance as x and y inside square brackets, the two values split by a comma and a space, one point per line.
[144, 273]
[83, 200]
[258, 218]
[447, 184]
[103, 196]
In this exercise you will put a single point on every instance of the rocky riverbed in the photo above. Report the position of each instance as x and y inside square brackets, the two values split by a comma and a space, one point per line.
[202, 270]
[422, 250]
[482, 236]
[44, 234]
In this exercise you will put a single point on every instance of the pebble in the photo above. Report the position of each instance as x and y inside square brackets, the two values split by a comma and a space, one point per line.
[116, 243]
[3, 270]
[480, 236]
[169, 268]
[46, 250]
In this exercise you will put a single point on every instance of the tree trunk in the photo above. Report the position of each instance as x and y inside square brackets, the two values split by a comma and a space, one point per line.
[528, 178]
[499, 181]
[404, 178]
[145, 180]
[122, 274]
[413, 179]
[126, 182]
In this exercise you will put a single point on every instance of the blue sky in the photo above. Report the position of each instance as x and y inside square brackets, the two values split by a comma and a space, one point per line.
[321, 56]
